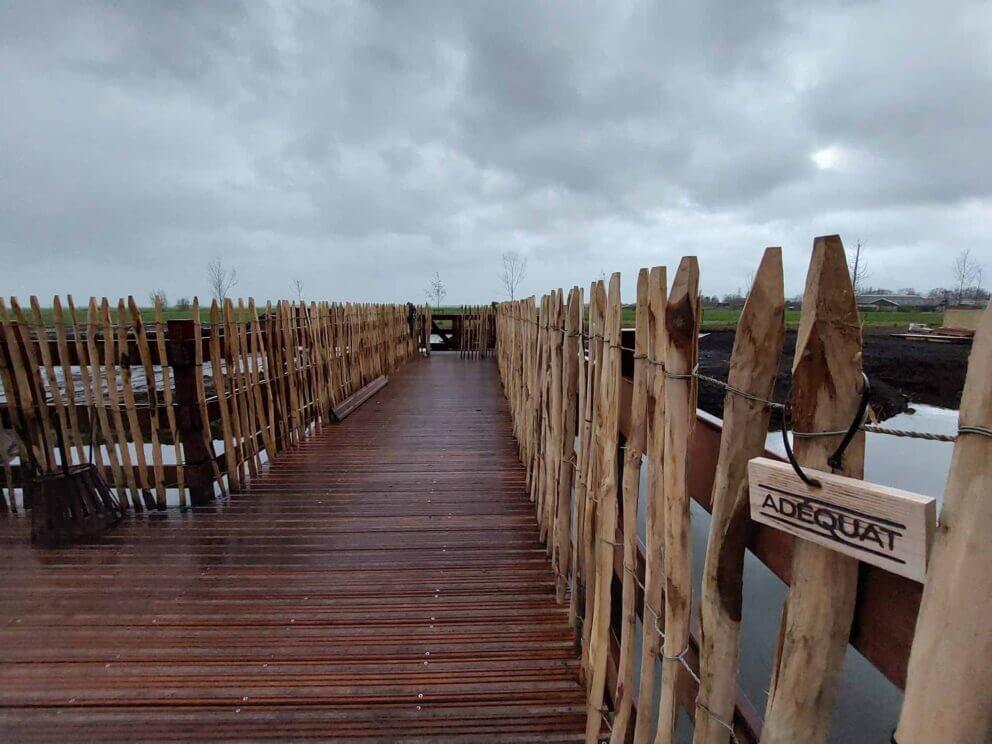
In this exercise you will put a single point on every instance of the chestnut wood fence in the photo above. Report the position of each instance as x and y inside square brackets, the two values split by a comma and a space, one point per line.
[148, 399]
[583, 432]
[476, 331]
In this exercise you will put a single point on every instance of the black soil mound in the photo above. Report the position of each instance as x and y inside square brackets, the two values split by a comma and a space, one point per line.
[899, 370]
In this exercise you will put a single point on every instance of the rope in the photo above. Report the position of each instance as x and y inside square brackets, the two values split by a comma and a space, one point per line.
[686, 376]
[772, 404]
[873, 428]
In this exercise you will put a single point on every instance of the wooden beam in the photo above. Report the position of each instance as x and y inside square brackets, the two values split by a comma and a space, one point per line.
[346, 407]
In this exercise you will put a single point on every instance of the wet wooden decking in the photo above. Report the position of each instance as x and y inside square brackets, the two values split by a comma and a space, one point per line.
[384, 581]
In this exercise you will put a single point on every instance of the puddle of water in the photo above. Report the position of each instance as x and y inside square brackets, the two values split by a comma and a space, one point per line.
[168, 458]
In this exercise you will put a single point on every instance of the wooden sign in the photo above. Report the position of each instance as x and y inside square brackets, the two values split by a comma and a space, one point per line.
[883, 526]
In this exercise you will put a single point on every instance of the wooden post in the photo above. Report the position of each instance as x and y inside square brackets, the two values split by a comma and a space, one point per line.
[633, 452]
[555, 341]
[655, 512]
[569, 382]
[682, 325]
[753, 367]
[199, 459]
[950, 674]
[576, 602]
[607, 432]
[592, 468]
[826, 391]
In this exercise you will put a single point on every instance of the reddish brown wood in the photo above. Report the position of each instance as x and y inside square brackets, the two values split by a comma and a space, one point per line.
[383, 579]
[350, 404]
[198, 475]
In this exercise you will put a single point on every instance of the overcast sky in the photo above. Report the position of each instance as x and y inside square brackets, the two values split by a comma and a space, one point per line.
[363, 146]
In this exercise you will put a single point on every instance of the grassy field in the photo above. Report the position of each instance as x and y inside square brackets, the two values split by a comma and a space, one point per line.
[716, 319]
[722, 318]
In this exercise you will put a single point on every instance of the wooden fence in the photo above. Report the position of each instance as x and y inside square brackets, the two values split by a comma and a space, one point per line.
[471, 331]
[583, 431]
[476, 332]
[147, 399]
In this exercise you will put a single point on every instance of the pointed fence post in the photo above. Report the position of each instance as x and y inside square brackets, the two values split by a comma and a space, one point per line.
[576, 604]
[655, 514]
[753, 367]
[682, 324]
[569, 382]
[826, 390]
[633, 452]
[606, 435]
[591, 468]
[950, 667]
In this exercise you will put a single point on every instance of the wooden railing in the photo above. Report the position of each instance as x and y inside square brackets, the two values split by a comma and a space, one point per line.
[562, 377]
[148, 390]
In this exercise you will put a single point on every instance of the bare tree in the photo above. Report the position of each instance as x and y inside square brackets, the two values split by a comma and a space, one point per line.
[221, 279]
[183, 303]
[157, 297]
[298, 288]
[514, 271]
[435, 290]
[859, 267]
[966, 272]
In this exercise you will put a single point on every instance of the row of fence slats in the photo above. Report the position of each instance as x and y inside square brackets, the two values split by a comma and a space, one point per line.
[274, 378]
[548, 381]
[477, 332]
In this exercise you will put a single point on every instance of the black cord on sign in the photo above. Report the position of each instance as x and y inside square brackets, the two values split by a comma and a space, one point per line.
[786, 425]
[836, 460]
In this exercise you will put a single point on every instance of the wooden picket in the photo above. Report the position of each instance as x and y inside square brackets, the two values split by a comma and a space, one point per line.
[754, 364]
[682, 326]
[633, 453]
[653, 608]
[826, 390]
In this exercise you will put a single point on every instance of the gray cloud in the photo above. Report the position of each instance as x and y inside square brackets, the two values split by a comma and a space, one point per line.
[365, 146]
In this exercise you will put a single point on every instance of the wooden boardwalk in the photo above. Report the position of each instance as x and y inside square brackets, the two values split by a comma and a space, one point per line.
[383, 582]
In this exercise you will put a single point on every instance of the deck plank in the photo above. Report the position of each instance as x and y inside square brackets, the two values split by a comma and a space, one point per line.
[383, 582]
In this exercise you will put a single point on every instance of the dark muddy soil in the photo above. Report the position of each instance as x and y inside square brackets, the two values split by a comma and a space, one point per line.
[899, 370]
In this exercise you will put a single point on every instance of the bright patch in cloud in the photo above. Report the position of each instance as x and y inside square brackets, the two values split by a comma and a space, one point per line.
[827, 158]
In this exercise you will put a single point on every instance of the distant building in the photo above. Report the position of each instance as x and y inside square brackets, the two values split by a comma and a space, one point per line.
[892, 302]
[970, 302]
